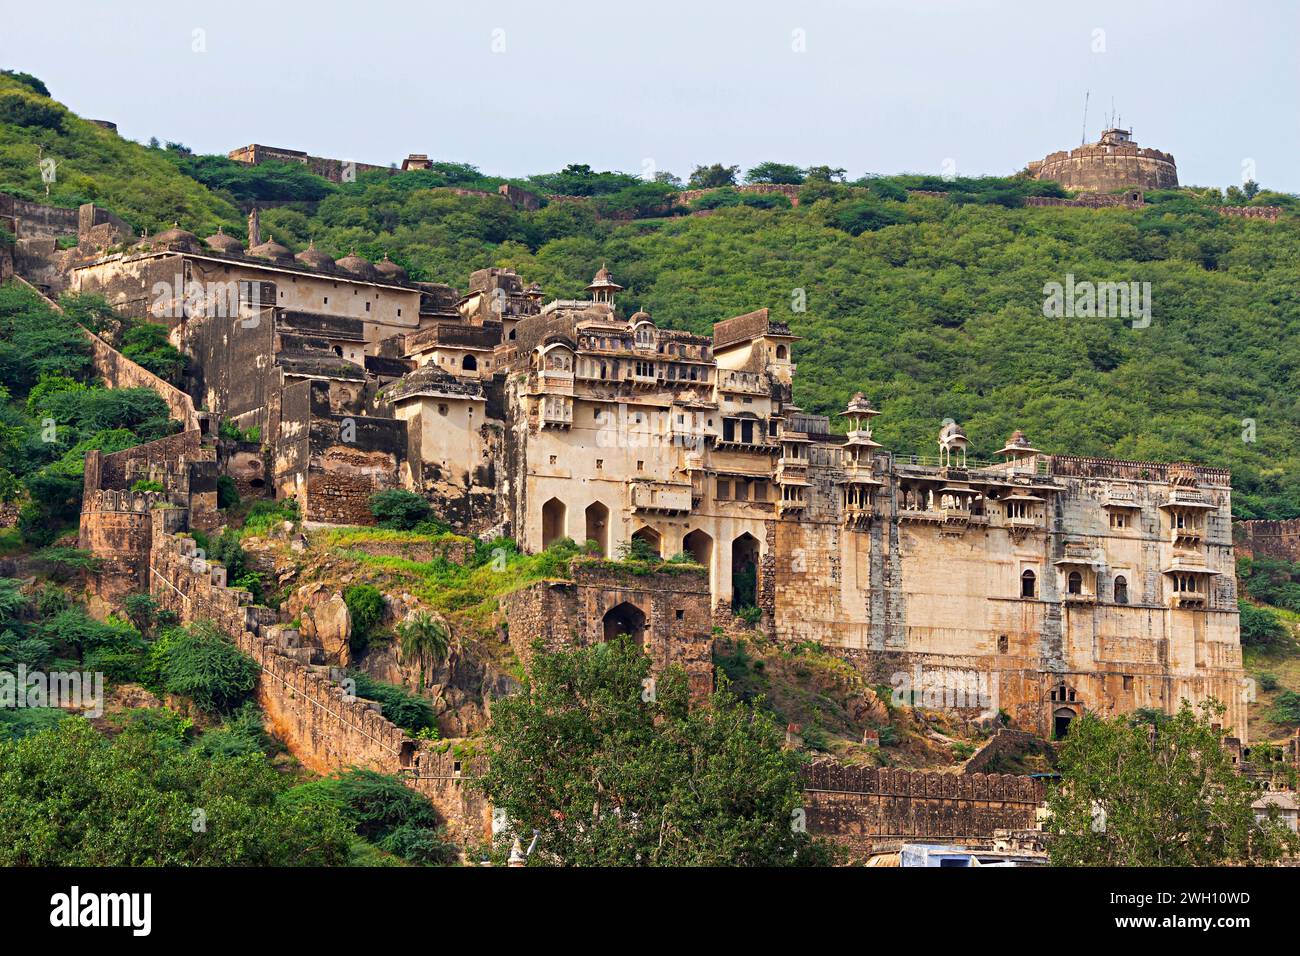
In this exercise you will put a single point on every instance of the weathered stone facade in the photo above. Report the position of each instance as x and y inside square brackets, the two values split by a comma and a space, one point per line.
[862, 808]
[1268, 539]
[1113, 162]
[1049, 584]
[667, 612]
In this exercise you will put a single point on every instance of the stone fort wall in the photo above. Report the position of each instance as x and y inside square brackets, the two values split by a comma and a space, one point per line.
[1101, 168]
[860, 807]
[324, 727]
[1267, 539]
[672, 609]
[118, 371]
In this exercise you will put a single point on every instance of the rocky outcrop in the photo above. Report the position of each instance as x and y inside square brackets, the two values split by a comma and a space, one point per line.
[323, 620]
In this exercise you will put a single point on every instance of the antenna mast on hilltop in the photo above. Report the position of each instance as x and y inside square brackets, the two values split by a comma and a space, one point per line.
[1084, 138]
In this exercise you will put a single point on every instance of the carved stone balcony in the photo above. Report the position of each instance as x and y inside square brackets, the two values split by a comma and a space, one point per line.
[662, 497]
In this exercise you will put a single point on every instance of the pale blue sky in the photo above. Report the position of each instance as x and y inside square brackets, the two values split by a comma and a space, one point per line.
[880, 87]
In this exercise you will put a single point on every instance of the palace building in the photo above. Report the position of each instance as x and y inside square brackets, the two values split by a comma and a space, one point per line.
[1039, 586]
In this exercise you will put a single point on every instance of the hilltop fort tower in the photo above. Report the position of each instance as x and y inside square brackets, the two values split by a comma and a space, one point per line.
[1113, 162]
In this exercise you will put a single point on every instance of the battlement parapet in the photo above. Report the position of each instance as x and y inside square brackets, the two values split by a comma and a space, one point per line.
[1267, 213]
[1077, 466]
[861, 806]
[137, 502]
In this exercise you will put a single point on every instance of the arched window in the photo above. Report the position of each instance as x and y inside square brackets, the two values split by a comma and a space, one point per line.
[781, 352]
[1121, 589]
[1074, 583]
[554, 514]
[1027, 584]
[469, 363]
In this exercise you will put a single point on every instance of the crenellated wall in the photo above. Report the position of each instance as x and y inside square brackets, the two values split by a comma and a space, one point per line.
[324, 727]
[862, 806]
[1267, 539]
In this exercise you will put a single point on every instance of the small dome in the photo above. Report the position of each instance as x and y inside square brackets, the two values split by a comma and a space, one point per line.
[604, 280]
[270, 250]
[859, 407]
[639, 317]
[952, 433]
[387, 269]
[223, 243]
[354, 264]
[176, 238]
[1017, 445]
[313, 257]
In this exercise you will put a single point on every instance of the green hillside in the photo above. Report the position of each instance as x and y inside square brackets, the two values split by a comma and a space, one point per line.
[93, 165]
[935, 307]
[932, 306]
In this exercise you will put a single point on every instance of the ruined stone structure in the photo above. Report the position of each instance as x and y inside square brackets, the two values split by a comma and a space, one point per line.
[332, 169]
[117, 524]
[863, 807]
[1133, 199]
[1113, 162]
[668, 612]
[41, 233]
[1267, 213]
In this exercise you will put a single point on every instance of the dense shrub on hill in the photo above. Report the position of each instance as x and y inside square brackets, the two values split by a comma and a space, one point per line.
[200, 663]
[131, 799]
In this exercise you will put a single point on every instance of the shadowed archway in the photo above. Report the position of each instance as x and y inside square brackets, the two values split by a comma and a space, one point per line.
[744, 572]
[554, 518]
[598, 526]
[625, 618]
[651, 538]
[699, 546]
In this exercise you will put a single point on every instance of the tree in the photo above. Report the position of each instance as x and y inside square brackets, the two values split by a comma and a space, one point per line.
[422, 637]
[147, 345]
[1152, 790]
[711, 177]
[200, 663]
[642, 778]
[776, 173]
[366, 609]
[27, 80]
[865, 215]
[1261, 627]
[826, 174]
[70, 796]
[398, 508]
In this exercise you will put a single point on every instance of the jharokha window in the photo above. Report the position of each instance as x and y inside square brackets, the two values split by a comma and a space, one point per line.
[1028, 584]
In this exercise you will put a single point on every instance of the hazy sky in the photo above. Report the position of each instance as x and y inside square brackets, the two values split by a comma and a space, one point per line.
[524, 87]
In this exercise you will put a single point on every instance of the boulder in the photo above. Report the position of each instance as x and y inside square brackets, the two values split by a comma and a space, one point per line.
[325, 621]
